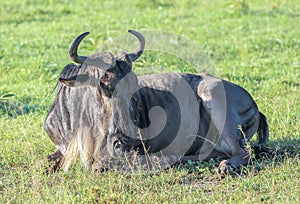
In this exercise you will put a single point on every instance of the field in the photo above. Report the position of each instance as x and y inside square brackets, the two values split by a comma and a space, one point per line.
[255, 44]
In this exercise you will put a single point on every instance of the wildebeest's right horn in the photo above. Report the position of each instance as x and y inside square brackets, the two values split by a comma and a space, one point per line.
[73, 49]
[140, 47]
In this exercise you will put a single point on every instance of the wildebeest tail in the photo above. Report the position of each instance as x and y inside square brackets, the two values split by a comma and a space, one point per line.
[263, 130]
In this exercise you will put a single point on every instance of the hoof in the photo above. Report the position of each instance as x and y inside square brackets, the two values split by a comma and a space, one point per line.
[54, 162]
[225, 168]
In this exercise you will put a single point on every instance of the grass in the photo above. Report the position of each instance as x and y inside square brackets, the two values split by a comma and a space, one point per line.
[254, 44]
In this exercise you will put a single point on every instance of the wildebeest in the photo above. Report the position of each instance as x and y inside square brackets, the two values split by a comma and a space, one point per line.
[103, 111]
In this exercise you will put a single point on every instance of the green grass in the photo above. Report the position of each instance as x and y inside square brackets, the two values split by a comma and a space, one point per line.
[255, 44]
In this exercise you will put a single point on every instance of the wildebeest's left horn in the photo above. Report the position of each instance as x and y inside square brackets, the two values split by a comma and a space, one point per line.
[140, 47]
[73, 49]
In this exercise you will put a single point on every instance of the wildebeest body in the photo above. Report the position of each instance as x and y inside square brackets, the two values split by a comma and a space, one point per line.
[105, 110]
[207, 89]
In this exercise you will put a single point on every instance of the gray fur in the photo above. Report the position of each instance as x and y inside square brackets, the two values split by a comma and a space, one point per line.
[103, 112]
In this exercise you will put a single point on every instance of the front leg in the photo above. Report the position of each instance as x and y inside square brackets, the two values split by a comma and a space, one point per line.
[240, 156]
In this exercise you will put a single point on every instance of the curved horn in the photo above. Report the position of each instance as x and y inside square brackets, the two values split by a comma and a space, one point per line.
[139, 48]
[73, 49]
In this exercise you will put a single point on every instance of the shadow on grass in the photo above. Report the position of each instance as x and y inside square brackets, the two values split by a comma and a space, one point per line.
[273, 12]
[14, 109]
[285, 148]
[256, 79]
[204, 174]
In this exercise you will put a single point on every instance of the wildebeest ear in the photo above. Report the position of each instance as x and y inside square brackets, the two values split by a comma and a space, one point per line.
[79, 80]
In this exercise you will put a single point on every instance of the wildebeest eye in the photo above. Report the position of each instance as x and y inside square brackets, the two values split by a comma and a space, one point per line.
[117, 145]
[118, 148]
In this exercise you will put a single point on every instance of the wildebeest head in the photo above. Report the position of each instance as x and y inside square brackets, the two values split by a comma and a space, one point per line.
[79, 118]
[115, 68]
